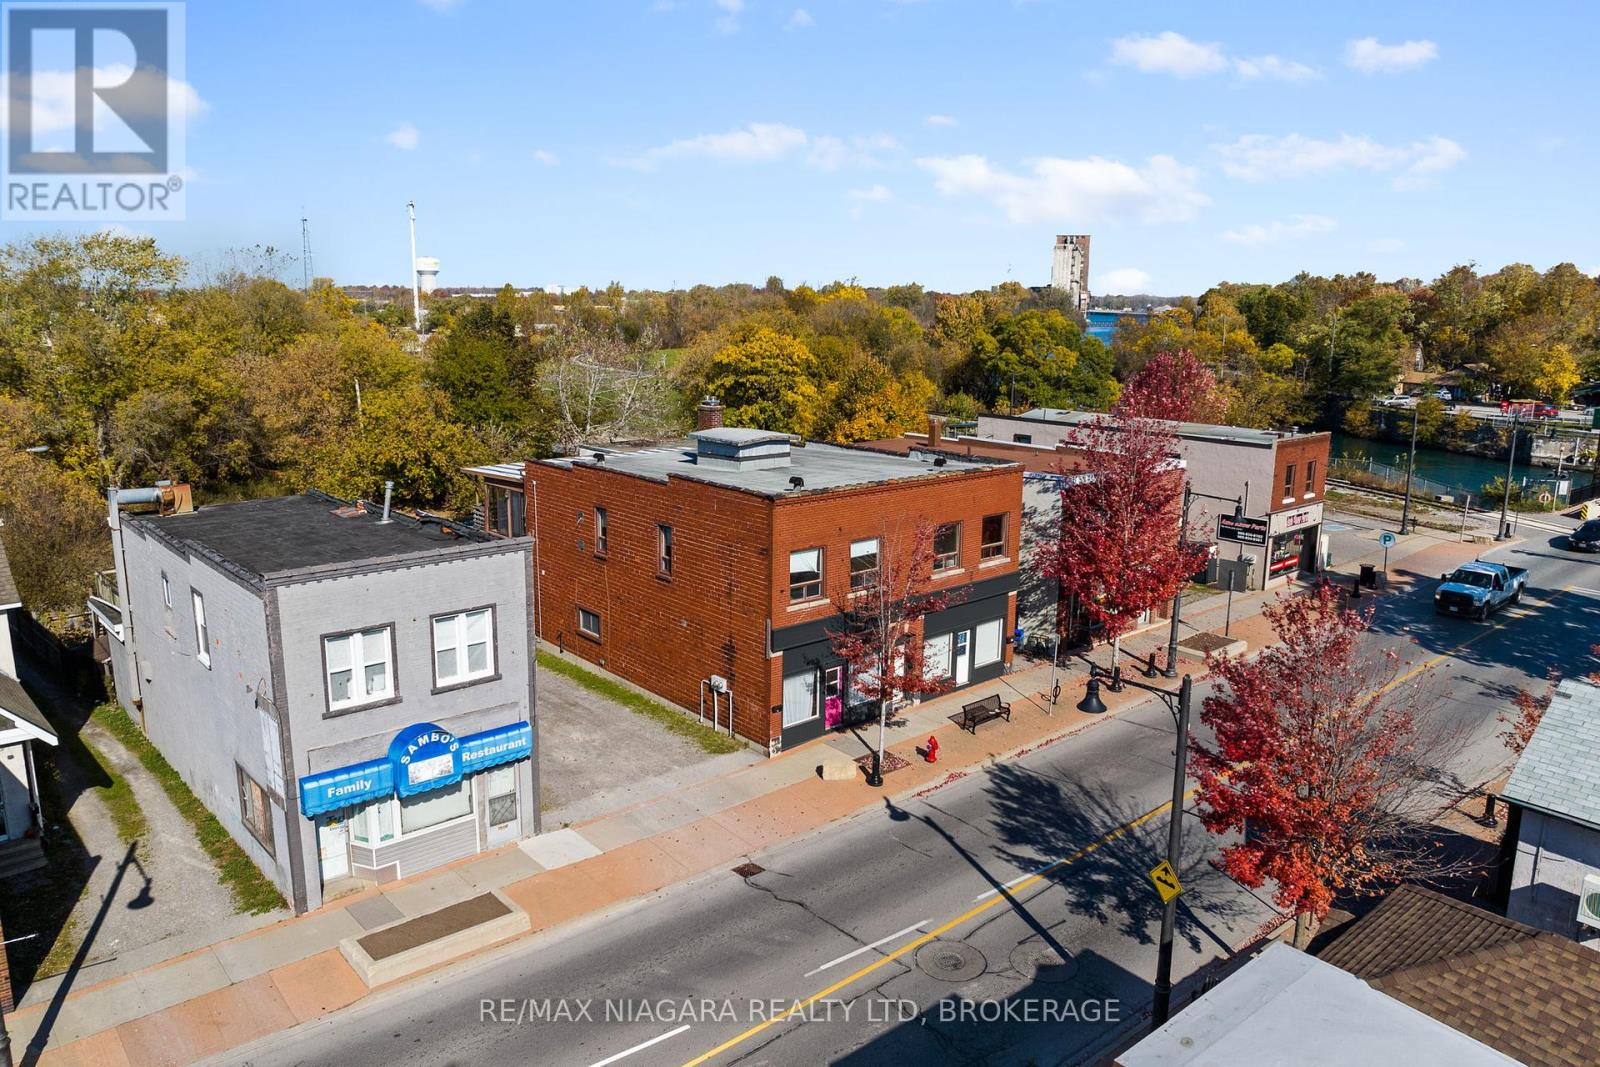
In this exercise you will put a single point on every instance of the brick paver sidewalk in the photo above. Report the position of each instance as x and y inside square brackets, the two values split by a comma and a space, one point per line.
[237, 991]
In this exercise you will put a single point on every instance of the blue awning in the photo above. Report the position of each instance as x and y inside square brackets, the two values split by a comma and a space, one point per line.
[346, 786]
[421, 757]
[503, 744]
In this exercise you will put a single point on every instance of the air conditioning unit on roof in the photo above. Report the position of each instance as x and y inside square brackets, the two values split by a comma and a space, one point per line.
[1589, 901]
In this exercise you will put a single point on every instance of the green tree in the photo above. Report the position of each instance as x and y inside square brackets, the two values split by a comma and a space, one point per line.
[766, 380]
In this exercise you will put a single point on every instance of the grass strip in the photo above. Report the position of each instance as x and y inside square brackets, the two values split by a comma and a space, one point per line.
[252, 892]
[674, 722]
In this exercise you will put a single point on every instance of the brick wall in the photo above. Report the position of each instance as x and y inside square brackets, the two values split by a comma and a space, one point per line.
[730, 569]
[7, 1002]
[1299, 451]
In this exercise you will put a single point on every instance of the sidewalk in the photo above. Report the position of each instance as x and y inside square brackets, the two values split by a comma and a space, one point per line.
[237, 991]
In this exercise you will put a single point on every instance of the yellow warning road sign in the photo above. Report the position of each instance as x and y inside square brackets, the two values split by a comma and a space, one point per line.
[1165, 879]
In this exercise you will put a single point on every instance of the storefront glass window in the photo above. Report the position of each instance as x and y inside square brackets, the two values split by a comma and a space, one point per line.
[1286, 552]
[422, 810]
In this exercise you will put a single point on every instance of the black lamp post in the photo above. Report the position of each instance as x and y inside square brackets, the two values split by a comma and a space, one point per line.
[1178, 704]
[1411, 465]
[1505, 498]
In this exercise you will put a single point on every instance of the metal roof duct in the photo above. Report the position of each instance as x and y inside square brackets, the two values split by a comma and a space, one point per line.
[739, 449]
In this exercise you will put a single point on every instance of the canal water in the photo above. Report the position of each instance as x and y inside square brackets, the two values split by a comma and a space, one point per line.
[1453, 469]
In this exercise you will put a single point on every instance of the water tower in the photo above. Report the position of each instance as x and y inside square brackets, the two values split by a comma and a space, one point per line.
[427, 273]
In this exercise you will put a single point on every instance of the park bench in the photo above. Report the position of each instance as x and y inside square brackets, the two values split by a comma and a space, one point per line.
[981, 711]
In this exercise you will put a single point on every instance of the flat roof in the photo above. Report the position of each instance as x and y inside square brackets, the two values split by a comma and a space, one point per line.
[503, 471]
[822, 467]
[1237, 434]
[1287, 1007]
[285, 534]
[1559, 771]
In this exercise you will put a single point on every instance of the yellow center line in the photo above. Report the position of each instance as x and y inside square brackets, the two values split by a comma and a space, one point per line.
[1005, 895]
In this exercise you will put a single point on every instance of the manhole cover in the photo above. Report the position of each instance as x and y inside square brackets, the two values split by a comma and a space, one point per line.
[748, 870]
[1038, 961]
[951, 961]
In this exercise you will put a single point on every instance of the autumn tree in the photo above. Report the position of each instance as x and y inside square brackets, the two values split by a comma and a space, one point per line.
[1174, 386]
[1321, 759]
[879, 634]
[767, 380]
[1117, 551]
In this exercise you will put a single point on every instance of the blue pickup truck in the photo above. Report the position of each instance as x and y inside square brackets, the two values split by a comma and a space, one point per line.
[1477, 588]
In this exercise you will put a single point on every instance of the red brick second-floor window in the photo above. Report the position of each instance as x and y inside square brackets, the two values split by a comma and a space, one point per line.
[601, 542]
[1288, 482]
[664, 550]
[994, 537]
[805, 574]
[947, 547]
[863, 564]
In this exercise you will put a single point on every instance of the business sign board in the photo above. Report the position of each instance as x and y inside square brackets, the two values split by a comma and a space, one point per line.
[1244, 531]
[421, 757]
[1283, 522]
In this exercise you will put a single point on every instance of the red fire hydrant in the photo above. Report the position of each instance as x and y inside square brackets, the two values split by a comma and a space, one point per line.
[932, 753]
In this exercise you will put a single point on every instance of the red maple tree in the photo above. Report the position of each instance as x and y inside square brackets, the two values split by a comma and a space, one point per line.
[1117, 550]
[1524, 720]
[879, 634]
[1321, 760]
[1175, 386]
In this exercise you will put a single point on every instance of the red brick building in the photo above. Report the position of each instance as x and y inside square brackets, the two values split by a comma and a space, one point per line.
[720, 564]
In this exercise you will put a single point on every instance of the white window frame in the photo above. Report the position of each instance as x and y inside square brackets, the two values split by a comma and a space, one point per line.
[988, 550]
[449, 632]
[202, 631]
[947, 561]
[602, 532]
[599, 623]
[868, 576]
[803, 596]
[360, 660]
[664, 544]
[166, 590]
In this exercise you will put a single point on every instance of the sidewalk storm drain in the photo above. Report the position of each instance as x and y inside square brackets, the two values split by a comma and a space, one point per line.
[1039, 961]
[951, 961]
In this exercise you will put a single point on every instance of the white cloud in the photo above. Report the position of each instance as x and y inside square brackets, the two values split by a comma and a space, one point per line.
[1385, 245]
[800, 20]
[1258, 234]
[549, 159]
[728, 22]
[1260, 157]
[1077, 191]
[1274, 68]
[1124, 280]
[404, 136]
[1370, 56]
[939, 121]
[876, 194]
[860, 198]
[52, 94]
[1168, 53]
[765, 142]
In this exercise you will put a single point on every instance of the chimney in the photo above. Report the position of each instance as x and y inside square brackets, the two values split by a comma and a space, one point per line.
[708, 416]
[935, 431]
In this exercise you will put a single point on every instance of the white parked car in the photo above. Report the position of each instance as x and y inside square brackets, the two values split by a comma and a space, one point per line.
[1398, 401]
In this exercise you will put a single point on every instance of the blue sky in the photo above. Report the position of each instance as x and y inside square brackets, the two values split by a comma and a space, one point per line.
[685, 141]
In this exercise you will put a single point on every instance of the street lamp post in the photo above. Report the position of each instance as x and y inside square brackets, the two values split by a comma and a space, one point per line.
[1411, 464]
[1178, 704]
[1505, 498]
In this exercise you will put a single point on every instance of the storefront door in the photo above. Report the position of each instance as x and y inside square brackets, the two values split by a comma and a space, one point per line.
[500, 804]
[963, 657]
[333, 846]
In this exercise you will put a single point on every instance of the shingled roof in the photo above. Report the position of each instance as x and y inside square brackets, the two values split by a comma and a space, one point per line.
[9, 597]
[1559, 772]
[1529, 993]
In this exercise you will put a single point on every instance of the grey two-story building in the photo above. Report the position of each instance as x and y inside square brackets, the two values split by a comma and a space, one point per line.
[352, 695]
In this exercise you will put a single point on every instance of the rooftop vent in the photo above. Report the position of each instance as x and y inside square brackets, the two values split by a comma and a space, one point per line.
[797, 482]
[737, 449]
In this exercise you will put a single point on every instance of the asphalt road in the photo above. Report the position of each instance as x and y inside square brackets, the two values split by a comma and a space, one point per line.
[1053, 972]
